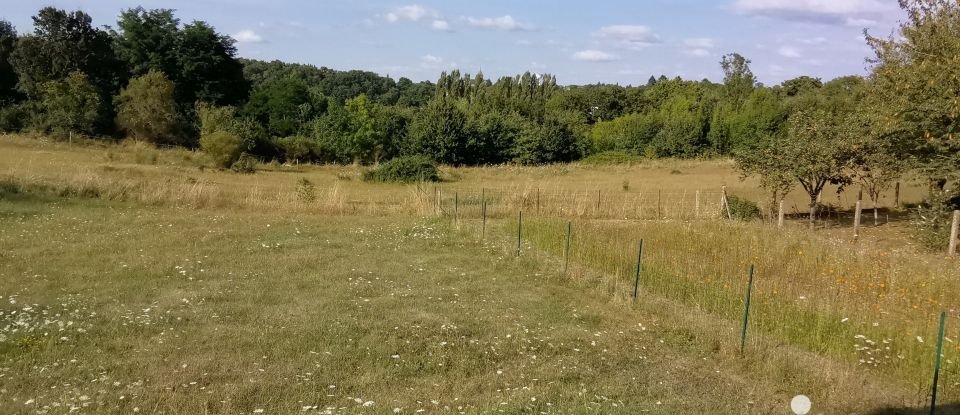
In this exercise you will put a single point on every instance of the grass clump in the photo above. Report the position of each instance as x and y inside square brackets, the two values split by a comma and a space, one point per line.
[743, 209]
[611, 158]
[305, 191]
[404, 170]
[246, 164]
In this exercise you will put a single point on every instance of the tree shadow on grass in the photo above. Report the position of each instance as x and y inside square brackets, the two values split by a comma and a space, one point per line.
[948, 409]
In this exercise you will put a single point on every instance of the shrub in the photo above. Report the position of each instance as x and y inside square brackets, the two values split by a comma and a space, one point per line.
[144, 153]
[742, 209]
[305, 190]
[296, 148]
[246, 164]
[223, 148]
[11, 118]
[404, 170]
[611, 158]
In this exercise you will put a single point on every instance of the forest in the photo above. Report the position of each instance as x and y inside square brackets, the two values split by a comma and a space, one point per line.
[153, 78]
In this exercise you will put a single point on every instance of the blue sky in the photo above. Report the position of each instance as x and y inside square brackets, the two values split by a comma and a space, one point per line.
[579, 41]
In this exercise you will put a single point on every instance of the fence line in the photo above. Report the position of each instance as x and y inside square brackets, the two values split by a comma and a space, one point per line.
[640, 205]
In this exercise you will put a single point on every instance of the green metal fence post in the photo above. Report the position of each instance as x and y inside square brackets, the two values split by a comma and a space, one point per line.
[519, 230]
[746, 312]
[636, 283]
[566, 252]
[936, 370]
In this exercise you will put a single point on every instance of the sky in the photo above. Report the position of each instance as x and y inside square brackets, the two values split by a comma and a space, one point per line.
[581, 42]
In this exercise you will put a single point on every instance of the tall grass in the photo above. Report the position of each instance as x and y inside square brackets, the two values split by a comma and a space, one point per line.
[870, 307]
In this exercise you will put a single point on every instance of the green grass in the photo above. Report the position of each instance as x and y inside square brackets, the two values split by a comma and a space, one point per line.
[224, 311]
[136, 278]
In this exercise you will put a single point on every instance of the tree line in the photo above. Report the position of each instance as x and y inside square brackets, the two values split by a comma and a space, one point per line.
[156, 79]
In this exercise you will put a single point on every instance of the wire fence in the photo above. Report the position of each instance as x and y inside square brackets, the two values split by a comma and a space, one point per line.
[593, 204]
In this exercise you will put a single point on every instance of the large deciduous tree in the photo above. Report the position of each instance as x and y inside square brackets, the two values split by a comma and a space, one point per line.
[148, 40]
[209, 70]
[8, 77]
[916, 73]
[60, 44]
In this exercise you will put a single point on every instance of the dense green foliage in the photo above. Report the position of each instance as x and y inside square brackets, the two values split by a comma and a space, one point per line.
[224, 147]
[742, 209]
[68, 105]
[407, 169]
[183, 84]
[146, 109]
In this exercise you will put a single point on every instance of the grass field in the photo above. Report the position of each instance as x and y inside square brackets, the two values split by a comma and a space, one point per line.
[132, 280]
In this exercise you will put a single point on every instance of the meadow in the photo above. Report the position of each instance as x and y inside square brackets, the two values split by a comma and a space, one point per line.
[134, 279]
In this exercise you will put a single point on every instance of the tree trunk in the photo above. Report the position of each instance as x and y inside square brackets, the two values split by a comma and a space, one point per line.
[813, 211]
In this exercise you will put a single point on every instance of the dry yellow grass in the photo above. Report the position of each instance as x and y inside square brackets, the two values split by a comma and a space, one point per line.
[208, 291]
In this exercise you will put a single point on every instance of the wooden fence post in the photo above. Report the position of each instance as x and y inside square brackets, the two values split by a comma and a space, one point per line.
[659, 195]
[896, 196]
[726, 202]
[538, 201]
[856, 220]
[697, 205]
[780, 215]
[953, 233]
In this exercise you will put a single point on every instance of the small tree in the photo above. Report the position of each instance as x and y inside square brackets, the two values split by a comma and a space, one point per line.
[146, 108]
[819, 149]
[877, 166]
[70, 105]
[768, 161]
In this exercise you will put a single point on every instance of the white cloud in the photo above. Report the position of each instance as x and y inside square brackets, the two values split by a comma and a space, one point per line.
[247, 36]
[698, 47]
[700, 53]
[435, 62]
[497, 23]
[824, 11]
[788, 52]
[629, 36]
[441, 25]
[592, 55]
[412, 13]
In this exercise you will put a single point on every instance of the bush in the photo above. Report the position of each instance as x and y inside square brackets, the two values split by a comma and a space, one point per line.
[404, 170]
[305, 191]
[555, 141]
[296, 148]
[742, 209]
[223, 148]
[11, 118]
[611, 158]
[246, 164]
